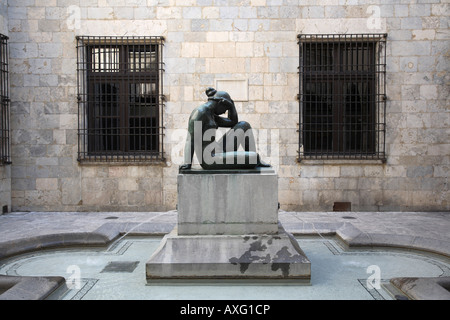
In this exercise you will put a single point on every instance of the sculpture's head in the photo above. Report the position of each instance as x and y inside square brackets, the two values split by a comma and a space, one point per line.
[223, 99]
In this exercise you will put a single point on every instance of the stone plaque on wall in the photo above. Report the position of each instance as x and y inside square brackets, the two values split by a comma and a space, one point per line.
[238, 88]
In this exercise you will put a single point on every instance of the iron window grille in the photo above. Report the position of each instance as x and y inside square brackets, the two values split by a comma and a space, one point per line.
[120, 99]
[5, 156]
[342, 96]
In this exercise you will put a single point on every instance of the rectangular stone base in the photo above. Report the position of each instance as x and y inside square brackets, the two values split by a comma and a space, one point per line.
[276, 256]
[232, 202]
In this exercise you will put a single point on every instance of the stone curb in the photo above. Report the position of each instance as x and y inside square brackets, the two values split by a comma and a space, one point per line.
[60, 240]
[28, 288]
[354, 237]
[424, 288]
[102, 236]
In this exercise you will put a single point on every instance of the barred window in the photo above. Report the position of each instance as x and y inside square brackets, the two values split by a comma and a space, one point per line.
[120, 99]
[342, 96]
[5, 157]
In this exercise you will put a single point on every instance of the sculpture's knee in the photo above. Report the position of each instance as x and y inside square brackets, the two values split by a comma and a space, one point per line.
[244, 125]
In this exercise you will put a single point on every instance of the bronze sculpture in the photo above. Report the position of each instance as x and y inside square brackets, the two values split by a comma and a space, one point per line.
[224, 153]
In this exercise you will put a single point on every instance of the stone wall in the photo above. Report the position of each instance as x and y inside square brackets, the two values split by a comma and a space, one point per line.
[5, 189]
[5, 170]
[4, 17]
[249, 41]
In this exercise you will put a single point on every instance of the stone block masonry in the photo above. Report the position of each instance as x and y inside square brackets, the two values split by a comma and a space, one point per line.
[211, 40]
[228, 203]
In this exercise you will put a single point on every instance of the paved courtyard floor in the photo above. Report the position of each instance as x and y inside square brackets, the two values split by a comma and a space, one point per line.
[346, 249]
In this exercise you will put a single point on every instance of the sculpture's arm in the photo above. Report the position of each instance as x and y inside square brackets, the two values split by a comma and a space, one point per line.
[231, 120]
[188, 150]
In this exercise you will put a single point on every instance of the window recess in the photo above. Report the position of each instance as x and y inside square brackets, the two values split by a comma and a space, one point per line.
[342, 96]
[120, 99]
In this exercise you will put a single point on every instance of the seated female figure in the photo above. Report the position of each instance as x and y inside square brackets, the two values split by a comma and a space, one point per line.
[224, 153]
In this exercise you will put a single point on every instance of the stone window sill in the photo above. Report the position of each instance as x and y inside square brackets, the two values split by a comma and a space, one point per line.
[318, 162]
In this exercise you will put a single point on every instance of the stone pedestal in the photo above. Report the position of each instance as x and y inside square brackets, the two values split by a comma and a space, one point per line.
[228, 202]
[275, 257]
[228, 229]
